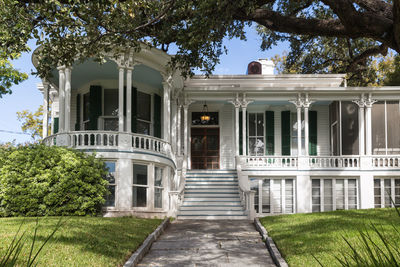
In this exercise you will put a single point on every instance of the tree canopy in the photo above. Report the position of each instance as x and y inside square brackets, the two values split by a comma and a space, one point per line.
[9, 75]
[69, 30]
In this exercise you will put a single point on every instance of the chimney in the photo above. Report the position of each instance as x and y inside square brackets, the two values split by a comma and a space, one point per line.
[267, 66]
[261, 66]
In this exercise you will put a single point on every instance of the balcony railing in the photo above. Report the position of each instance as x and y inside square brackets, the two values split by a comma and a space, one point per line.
[269, 161]
[333, 162]
[108, 140]
[386, 161]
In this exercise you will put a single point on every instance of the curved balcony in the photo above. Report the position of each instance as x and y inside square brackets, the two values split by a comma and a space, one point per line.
[109, 140]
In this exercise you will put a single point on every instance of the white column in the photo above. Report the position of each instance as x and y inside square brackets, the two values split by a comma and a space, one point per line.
[368, 125]
[306, 134]
[299, 130]
[178, 129]
[53, 112]
[361, 125]
[128, 127]
[121, 99]
[236, 104]
[46, 88]
[185, 131]
[61, 99]
[166, 112]
[67, 107]
[244, 139]
[173, 129]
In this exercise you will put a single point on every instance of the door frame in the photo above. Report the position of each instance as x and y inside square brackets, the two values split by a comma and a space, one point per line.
[190, 143]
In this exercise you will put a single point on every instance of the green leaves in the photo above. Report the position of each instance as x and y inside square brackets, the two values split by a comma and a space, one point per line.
[36, 180]
[8, 75]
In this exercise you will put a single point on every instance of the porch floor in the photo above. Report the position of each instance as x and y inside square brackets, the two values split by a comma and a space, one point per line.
[209, 243]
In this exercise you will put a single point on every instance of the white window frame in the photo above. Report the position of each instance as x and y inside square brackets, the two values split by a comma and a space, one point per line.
[282, 195]
[148, 186]
[293, 120]
[383, 192]
[346, 192]
[256, 136]
[162, 187]
[151, 122]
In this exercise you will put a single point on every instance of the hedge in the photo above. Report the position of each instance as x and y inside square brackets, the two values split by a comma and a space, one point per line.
[36, 180]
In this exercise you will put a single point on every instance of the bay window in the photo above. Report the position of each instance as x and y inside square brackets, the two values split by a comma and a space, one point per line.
[139, 185]
[158, 187]
[110, 177]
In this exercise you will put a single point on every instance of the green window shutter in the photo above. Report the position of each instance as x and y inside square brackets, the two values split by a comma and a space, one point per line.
[157, 116]
[78, 113]
[95, 109]
[285, 132]
[269, 133]
[55, 129]
[240, 134]
[134, 110]
[312, 126]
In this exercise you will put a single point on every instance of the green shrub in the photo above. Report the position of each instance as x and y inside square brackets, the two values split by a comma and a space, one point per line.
[36, 180]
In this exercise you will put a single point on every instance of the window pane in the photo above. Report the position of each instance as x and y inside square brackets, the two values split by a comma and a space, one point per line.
[289, 196]
[139, 196]
[378, 128]
[276, 196]
[393, 124]
[86, 105]
[254, 187]
[196, 118]
[387, 192]
[158, 197]
[111, 172]
[352, 193]
[266, 205]
[252, 124]
[328, 200]
[158, 176]
[111, 124]
[111, 102]
[143, 127]
[110, 199]
[349, 128]
[377, 192]
[144, 109]
[339, 194]
[140, 174]
[260, 124]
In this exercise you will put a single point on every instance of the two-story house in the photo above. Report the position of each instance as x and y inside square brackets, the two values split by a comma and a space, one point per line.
[227, 146]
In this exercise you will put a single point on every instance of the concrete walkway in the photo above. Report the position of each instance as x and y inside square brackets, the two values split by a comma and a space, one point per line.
[209, 243]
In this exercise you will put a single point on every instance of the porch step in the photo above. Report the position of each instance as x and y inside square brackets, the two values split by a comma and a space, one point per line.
[211, 195]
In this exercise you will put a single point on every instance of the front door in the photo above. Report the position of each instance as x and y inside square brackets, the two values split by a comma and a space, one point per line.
[205, 148]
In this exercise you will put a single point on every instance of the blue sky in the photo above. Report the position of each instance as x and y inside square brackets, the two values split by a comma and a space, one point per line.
[27, 96]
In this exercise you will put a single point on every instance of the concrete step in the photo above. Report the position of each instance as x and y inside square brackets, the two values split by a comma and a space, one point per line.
[212, 181]
[227, 185]
[210, 212]
[221, 202]
[211, 207]
[210, 189]
[210, 176]
[212, 217]
[211, 199]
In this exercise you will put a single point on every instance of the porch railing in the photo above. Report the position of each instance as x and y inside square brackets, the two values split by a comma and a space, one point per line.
[269, 161]
[108, 140]
[386, 161]
[345, 162]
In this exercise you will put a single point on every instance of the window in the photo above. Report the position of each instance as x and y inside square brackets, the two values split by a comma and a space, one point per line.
[110, 110]
[334, 194]
[143, 113]
[140, 185]
[386, 190]
[196, 118]
[256, 134]
[273, 196]
[385, 128]
[110, 177]
[86, 106]
[158, 187]
[294, 126]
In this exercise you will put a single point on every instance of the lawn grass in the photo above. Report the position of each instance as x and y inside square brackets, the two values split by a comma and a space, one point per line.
[81, 241]
[299, 236]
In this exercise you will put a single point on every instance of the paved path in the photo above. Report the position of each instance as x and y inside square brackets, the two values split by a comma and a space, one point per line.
[209, 243]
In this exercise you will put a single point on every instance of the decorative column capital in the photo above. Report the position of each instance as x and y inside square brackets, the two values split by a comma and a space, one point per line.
[297, 102]
[61, 68]
[186, 103]
[236, 102]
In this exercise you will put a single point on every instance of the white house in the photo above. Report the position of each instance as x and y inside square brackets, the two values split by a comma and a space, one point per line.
[227, 146]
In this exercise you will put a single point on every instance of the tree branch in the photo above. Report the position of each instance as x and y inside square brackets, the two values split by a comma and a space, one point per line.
[361, 58]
